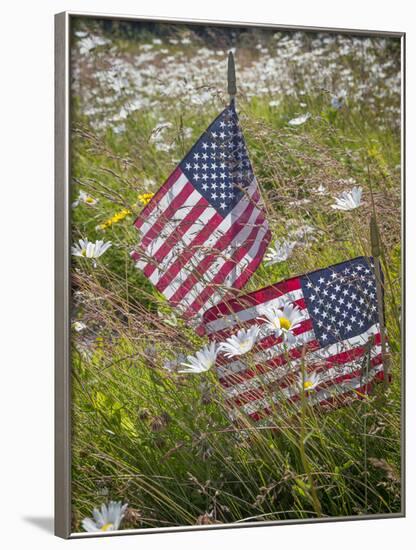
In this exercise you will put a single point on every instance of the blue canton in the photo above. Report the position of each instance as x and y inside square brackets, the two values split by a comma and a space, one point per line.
[218, 165]
[341, 300]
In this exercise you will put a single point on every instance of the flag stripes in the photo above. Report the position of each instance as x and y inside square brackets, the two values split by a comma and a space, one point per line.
[273, 370]
[204, 233]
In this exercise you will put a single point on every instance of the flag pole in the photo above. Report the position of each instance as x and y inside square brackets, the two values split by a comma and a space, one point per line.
[232, 87]
[376, 252]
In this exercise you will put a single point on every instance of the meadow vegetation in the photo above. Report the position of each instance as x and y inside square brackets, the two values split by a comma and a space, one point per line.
[162, 441]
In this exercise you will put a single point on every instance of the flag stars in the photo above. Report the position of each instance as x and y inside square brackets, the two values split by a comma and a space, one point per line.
[344, 301]
[215, 160]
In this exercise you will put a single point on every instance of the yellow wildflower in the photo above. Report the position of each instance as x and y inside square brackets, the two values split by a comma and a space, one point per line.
[145, 198]
[118, 216]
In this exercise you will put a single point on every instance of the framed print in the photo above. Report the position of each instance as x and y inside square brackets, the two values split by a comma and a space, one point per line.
[229, 312]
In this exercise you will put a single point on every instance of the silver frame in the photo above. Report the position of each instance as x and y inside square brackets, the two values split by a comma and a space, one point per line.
[63, 273]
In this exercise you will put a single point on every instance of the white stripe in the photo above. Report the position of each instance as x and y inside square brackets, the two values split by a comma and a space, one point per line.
[207, 277]
[172, 223]
[318, 355]
[206, 247]
[251, 312]
[313, 356]
[338, 389]
[163, 204]
[249, 257]
[278, 373]
[180, 246]
[264, 355]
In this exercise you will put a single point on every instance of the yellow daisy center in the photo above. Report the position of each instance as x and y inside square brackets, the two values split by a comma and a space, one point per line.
[285, 323]
[107, 526]
[307, 384]
[89, 200]
[245, 345]
[84, 252]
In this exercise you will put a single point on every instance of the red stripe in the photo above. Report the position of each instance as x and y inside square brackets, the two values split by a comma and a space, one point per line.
[166, 215]
[228, 307]
[177, 234]
[226, 268]
[135, 255]
[261, 368]
[331, 402]
[287, 380]
[183, 259]
[271, 340]
[251, 268]
[219, 246]
[267, 366]
[225, 333]
[145, 213]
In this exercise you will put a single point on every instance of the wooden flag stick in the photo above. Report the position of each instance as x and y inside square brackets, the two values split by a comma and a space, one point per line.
[376, 252]
[232, 87]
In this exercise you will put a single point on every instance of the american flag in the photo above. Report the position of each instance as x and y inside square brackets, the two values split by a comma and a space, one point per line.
[205, 231]
[338, 337]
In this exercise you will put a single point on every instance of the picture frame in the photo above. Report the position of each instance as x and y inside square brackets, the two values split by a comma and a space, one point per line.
[63, 266]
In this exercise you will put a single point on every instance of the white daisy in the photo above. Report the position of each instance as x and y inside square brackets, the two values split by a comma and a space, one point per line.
[281, 252]
[202, 361]
[85, 198]
[310, 382]
[87, 249]
[348, 200]
[282, 322]
[274, 103]
[338, 101]
[240, 343]
[78, 326]
[108, 518]
[320, 190]
[299, 119]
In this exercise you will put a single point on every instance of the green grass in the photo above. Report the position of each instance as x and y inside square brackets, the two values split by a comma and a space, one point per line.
[164, 442]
